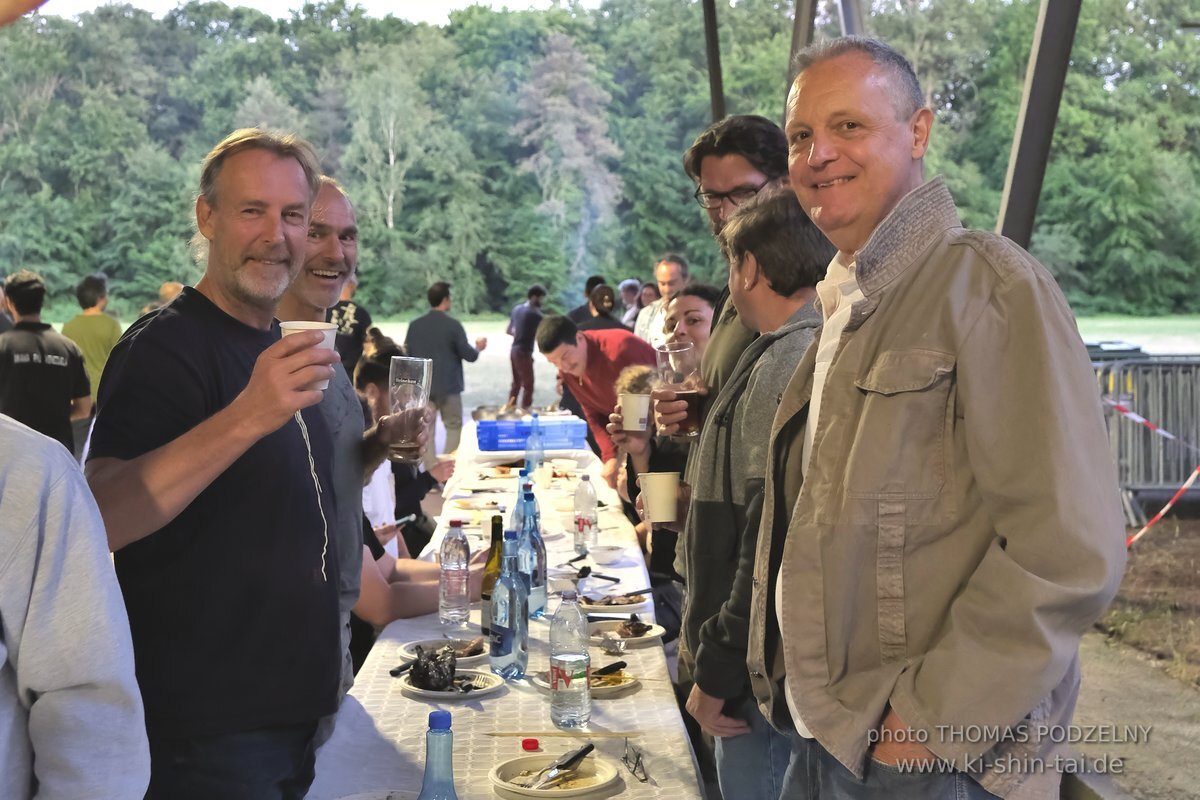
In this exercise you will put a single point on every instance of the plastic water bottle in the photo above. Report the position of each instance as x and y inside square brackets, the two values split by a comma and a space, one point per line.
[570, 665]
[531, 558]
[535, 446]
[454, 595]
[516, 520]
[491, 572]
[508, 645]
[587, 524]
[439, 759]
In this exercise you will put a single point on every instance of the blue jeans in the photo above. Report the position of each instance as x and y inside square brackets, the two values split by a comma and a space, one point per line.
[763, 764]
[883, 782]
[266, 764]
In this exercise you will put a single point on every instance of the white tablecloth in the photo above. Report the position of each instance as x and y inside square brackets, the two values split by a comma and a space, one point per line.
[379, 740]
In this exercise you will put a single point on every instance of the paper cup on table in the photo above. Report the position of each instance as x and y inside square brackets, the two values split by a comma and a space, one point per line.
[659, 490]
[635, 411]
[299, 326]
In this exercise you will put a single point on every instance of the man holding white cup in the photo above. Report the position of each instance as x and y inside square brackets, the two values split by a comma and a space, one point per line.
[212, 473]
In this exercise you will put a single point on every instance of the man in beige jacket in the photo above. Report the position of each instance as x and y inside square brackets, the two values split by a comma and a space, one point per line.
[941, 521]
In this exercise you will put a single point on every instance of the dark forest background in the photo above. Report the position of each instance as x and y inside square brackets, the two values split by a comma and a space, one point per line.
[511, 147]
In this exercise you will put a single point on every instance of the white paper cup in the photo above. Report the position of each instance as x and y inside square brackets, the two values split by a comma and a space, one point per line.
[299, 326]
[659, 491]
[635, 411]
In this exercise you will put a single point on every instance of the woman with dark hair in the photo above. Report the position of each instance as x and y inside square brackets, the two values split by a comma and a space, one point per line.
[648, 295]
[601, 303]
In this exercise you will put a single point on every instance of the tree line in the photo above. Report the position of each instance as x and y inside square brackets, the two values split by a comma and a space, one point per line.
[517, 146]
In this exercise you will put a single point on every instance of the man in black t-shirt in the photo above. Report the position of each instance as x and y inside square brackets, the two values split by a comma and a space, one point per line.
[43, 382]
[352, 322]
[522, 326]
[6, 322]
[211, 467]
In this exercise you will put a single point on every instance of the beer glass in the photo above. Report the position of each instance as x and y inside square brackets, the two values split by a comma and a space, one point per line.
[409, 382]
[679, 371]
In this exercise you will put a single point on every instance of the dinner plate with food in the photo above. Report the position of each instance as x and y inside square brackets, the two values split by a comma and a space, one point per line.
[465, 685]
[477, 504]
[434, 674]
[605, 685]
[592, 774]
[616, 602]
[632, 630]
[467, 652]
[493, 473]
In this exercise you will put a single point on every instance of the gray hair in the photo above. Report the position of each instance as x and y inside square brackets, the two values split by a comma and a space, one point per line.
[908, 95]
[284, 145]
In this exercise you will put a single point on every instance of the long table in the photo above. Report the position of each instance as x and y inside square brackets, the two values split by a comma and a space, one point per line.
[378, 745]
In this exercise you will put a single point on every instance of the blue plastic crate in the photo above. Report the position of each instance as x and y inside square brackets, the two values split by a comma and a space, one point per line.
[558, 433]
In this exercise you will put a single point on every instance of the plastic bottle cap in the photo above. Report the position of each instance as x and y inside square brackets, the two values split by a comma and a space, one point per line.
[439, 720]
[456, 523]
[585, 477]
[510, 536]
[526, 744]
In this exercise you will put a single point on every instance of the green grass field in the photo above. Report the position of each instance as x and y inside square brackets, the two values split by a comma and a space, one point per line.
[489, 378]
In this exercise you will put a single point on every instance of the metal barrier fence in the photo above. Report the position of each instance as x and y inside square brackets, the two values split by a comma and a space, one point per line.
[1166, 391]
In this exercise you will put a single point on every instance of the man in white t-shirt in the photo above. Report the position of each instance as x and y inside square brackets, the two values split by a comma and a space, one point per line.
[671, 275]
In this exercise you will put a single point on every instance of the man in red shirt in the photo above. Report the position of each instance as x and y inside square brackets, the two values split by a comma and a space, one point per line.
[589, 363]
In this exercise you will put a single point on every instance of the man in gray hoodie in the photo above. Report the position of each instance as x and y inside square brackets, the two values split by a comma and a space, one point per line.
[71, 720]
[775, 257]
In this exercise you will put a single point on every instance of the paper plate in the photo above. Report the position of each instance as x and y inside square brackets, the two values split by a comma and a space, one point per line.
[409, 650]
[596, 628]
[542, 681]
[485, 683]
[593, 774]
[382, 794]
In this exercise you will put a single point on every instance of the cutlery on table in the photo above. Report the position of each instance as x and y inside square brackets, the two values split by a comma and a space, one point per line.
[616, 666]
[586, 572]
[556, 771]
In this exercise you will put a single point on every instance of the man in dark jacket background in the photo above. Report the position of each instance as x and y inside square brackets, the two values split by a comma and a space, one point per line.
[438, 336]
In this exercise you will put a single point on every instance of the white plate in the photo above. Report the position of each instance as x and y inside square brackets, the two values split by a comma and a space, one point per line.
[542, 681]
[478, 504]
[592, 608]
[510, 456]
[498, 473]
[593, 774]
[596, 628]
[485, 683]
[382, 794]
[409, 650]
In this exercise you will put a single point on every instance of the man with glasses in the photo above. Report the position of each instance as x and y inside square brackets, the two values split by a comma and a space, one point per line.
[731, 161]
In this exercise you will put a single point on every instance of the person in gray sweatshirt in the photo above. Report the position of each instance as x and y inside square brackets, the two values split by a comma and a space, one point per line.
[71, 719]
[776, 255]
